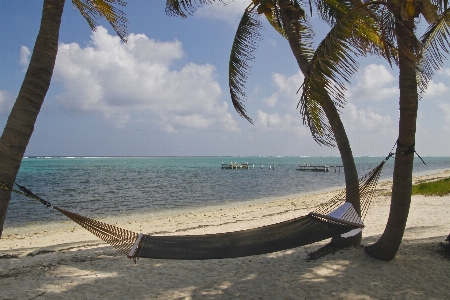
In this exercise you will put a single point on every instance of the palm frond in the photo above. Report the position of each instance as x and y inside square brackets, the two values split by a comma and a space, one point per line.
[305, 32]
[332, 10]
[331, 67]
[314, 115]
[429, 11]
[435, 45]
[375, 33]
[306, 38]
[388, 37]
[442, 5]
[244, 45]
[93, 10]
[183, 8]
[275, 20]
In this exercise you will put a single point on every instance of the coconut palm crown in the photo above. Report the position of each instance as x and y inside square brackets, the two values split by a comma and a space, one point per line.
[330, 65]
[357, 29]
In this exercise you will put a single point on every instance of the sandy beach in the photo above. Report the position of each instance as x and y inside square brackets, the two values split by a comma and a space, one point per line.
[64, 261]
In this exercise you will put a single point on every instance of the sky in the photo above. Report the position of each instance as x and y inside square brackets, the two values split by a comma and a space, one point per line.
[165, 92]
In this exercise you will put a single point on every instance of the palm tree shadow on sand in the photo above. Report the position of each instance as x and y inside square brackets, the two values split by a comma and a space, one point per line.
[445, 248]
[104, 273]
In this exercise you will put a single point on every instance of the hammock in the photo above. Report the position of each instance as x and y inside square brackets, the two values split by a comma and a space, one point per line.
[333, 218]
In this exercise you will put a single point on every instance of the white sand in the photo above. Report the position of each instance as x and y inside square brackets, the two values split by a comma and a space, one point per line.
[63, 261]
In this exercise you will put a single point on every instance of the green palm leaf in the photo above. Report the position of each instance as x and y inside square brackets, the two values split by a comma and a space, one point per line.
[305, 32]
[182, 8]
[388, 37]
[306, 38]
[435, 44]
[93, 10]
[332, 10]
[331, 67]
[244, 44]
[314, 115]
[275, 20]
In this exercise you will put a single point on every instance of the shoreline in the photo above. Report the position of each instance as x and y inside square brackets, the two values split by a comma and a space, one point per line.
[284, 208]
[125, 218]
[147, 194]
[69, 262]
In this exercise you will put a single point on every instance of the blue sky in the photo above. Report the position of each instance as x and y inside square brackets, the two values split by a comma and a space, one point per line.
[165, 92]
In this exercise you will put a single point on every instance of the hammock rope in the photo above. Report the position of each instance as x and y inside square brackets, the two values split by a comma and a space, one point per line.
[367, 184]
[121, 239]
[316, 226]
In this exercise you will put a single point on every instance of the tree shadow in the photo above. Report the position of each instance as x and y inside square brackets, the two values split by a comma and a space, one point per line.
[418, 272]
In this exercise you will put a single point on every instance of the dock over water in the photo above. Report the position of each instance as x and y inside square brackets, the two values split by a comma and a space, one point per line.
[324, 168]
[305, 167]
[236, 166]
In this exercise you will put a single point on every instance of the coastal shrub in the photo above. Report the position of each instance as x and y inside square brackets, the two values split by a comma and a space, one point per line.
[435, 188]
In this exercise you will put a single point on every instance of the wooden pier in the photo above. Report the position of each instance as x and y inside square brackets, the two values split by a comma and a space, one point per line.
[324, 168]
[235, 166]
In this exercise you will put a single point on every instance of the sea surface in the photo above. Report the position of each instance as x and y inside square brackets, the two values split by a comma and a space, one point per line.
[116, 186]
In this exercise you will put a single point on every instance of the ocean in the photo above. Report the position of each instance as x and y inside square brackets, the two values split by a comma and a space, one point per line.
[117, 186]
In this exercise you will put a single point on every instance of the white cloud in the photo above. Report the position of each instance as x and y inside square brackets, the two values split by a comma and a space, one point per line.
[366, 119]
[119, 79]
[231, 12]
[287, 119]
[358, 119]
[436, 89]
[272, 100]
[6, 102]
[375, 84]
[445, 71]
[287, 88]
[285, 123]
[24, 56]
[445, 107]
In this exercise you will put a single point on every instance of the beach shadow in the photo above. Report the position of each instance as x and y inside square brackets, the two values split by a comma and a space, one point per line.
[418, 272]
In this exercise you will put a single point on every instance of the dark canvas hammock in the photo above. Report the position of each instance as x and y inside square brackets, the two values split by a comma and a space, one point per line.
[330, 219]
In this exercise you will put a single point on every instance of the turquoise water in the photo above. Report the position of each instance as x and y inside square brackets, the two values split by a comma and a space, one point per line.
[112, 186]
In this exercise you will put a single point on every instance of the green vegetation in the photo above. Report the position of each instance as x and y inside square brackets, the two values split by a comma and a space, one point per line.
[434, 188]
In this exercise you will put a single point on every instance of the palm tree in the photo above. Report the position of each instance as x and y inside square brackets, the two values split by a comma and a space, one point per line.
[358, 29]
[417, 62]
[319, 111]
[20, 123]
[389, 28]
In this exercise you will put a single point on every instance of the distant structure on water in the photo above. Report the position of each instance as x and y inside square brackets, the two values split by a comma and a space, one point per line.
[324, 168]
[236, 166]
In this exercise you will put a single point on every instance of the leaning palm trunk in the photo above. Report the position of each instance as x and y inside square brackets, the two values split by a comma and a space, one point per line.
[387, 246]
[350, 172]
[22, 118]
[340, 135]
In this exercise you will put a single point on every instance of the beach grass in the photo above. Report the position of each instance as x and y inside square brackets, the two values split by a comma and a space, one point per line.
[435, 188]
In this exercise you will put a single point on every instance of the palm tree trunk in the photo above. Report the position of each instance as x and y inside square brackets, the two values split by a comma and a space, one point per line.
[340, 135]
[350, 172]
[20, 124]
[387, 246]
